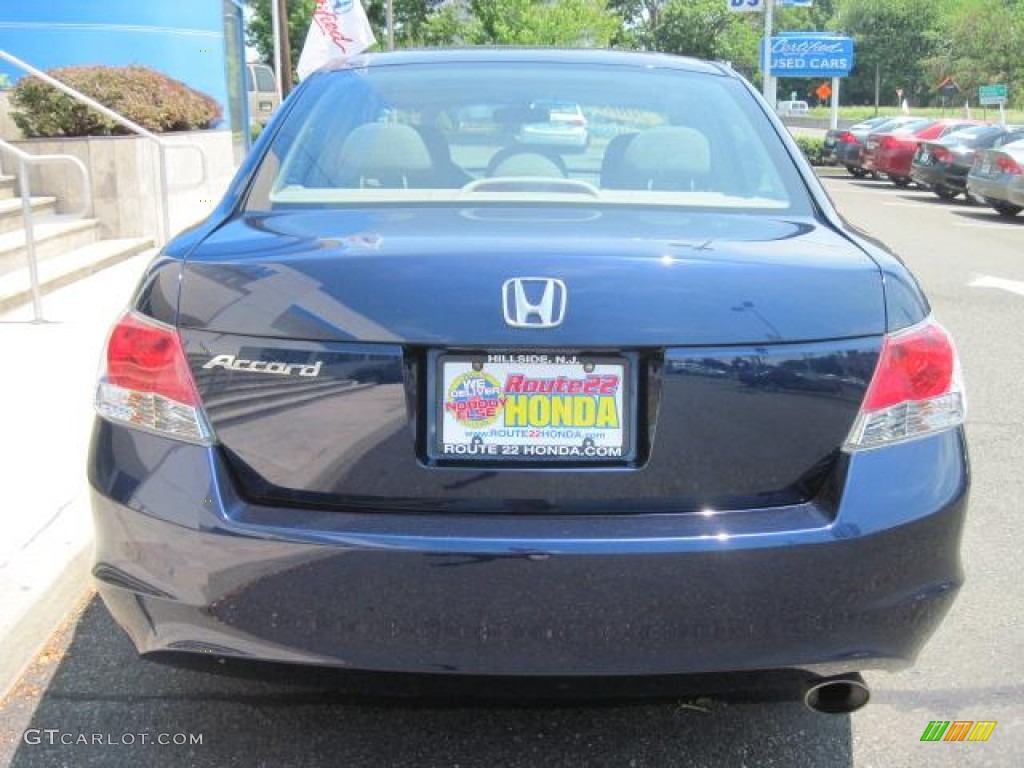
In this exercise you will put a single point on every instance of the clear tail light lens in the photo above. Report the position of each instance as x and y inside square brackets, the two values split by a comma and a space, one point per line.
[145, 382]
[917, 389]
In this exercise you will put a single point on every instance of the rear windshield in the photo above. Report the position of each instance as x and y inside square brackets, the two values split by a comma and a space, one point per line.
[264, 79]
[896, 122]
[498, 133]
[912, 127]
[973, 132]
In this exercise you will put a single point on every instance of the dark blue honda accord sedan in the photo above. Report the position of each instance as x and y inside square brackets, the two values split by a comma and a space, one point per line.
[423, 397]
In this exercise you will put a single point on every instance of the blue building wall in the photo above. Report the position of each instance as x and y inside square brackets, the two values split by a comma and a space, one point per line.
[184, 39]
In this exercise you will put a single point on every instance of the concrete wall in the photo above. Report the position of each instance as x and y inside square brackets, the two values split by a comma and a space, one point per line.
[8, 130]
[124, 176]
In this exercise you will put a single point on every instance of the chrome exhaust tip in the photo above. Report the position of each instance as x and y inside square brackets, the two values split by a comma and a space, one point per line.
[837, 695]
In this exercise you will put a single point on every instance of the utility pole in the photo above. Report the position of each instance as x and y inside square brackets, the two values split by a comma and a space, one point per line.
[275, 24]
[768, 82]
[878, 82]
[391, 24]
[286, 47]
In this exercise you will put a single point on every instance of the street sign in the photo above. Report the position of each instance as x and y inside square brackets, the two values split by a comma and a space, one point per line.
[810, 55]
[823, 91]
[745, 6]
[756, 6]
[991, 95]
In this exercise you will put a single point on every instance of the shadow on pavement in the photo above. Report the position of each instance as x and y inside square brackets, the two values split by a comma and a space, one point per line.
[990, 216]
[101, 690]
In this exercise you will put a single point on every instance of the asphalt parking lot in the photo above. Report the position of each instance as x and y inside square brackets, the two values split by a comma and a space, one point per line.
[971, 262]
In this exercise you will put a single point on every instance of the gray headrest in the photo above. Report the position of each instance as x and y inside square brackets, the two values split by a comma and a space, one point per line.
[669, 149]
[385, 148]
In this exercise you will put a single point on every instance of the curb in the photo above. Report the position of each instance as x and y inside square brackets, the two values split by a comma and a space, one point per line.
[831, 172]
[40, 586]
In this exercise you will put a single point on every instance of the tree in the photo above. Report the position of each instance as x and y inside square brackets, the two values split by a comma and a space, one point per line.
[411, 19]
[980, 43]
[706, 29]
[260, 32]
[538, 22]
[893, 38]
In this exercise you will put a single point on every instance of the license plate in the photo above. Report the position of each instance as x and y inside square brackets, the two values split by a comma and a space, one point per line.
[266, 106]
[532, 407]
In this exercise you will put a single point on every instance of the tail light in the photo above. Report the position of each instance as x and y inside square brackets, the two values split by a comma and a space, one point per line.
[888, 142]
[942, 155]
[1008, 165]
[917, 389]
[145, 382]
[847, 138]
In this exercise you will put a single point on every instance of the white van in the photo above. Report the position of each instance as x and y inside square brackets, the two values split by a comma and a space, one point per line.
[791, 109]
[262, 87]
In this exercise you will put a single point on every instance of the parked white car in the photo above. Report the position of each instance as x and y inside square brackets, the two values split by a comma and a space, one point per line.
[791, 109]
[565, 126]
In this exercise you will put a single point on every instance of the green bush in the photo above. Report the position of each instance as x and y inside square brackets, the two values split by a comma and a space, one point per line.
[149, 98]
[813, 149]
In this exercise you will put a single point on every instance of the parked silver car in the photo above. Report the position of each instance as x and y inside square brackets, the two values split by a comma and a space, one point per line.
[997, 178]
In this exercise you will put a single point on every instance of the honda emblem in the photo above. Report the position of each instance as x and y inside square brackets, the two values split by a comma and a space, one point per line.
[534, 302]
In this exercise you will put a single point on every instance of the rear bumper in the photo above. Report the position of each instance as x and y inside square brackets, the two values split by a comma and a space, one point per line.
[889, 162]
[848, 155]
[988, 189]
[860, 581]
[939, 176]
[1016, 193]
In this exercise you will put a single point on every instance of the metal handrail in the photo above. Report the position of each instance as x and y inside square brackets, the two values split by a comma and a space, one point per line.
[25, 159]
[162, 145]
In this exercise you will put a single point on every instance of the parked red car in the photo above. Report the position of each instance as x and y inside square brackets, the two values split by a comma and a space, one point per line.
[891, 153]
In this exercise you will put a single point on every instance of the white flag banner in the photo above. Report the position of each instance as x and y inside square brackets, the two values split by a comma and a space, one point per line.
[339, 30]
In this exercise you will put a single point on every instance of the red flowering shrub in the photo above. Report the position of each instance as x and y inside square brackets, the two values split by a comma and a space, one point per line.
[145, 96]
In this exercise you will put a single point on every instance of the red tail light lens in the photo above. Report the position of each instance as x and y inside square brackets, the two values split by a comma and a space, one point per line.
[148, 358]
[1008, 165]
[917, 389]
[848, 138]
[942, 155]
[888, 142]
[146, 381]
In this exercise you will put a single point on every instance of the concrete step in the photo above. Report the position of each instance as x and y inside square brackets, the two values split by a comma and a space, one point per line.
[58, 271]
[53, 237]
[7, 185]
[12, 218]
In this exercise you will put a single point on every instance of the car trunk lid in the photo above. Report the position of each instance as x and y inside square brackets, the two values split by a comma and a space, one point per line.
[317, 340]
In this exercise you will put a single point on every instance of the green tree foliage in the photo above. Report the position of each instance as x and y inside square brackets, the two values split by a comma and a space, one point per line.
[260, 32]
[912, 44]
[981, 42]
[538, 22]
[150, 98]
[893, 38]
[706, 29]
